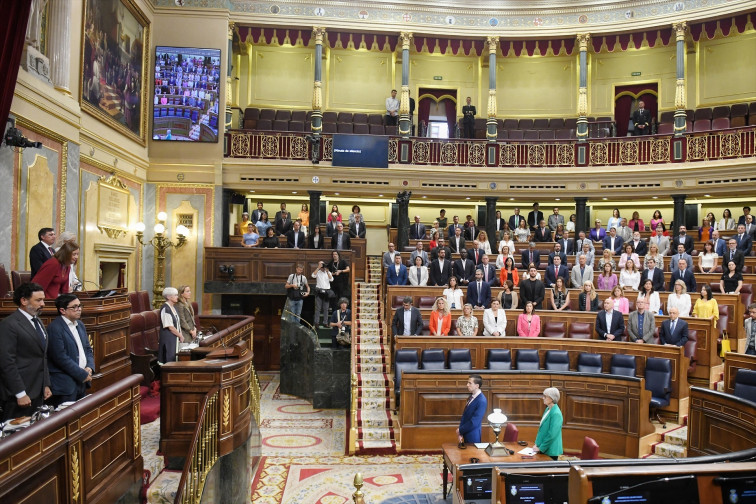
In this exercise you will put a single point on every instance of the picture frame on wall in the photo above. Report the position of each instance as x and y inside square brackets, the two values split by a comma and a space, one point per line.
[114, 61]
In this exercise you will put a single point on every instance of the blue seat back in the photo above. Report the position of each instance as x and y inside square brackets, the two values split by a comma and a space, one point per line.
[459, 358]
[623, 365]
[499, 359]
[589, 363]
[527, 360]
[433, 358]
[745, 384]
[557, 360]
[659, 380]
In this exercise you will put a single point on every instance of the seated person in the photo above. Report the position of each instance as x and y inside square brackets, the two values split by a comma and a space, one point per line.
[528, 323]
[250, 238]
[270, 240]
[340, 319]
[440, 318]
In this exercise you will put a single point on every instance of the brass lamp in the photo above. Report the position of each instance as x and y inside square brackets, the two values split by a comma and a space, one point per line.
[160, 242]
[497, 420]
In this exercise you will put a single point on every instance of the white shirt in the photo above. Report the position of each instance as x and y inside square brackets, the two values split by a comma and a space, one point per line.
[407, 321]
[682, 303]
[392, 105]
[608, 321]
[75, 333]
[453, 298]
[323, 279]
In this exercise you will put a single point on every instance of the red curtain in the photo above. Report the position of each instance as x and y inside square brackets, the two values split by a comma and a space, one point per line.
[423, 110]
[12, 36]
[451, 115]
[626, 97]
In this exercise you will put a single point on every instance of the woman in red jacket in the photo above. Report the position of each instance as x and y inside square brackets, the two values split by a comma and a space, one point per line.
[528, 323]
[54, 273]
[440, 318]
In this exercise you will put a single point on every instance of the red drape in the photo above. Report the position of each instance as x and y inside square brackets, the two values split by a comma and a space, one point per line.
[451, 115]
[12, 35]
[623, 103]
[423, 110]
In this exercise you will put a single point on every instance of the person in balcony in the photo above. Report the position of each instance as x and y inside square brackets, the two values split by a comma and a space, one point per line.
[271, 240]
[468, 118]
[251, 237]
[641, 119]
[656, 219]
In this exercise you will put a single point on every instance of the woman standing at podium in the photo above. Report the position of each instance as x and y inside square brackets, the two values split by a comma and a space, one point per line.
[186, 313]
[549, 438]
[169, 327]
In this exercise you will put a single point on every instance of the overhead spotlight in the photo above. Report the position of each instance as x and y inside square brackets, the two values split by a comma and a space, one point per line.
[14, 138]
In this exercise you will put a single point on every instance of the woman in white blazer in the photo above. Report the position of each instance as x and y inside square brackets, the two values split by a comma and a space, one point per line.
[423, 273]
[494, 320]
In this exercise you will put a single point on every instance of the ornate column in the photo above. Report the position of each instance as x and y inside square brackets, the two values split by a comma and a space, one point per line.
[314, 211]
[405, 125]
[491, 126]
[229, 66]
[680, 101]
[679, 215]
[582, 122]
[316, 117]
[402, 220]
[581, 224]
[491, 218]
[59, 44]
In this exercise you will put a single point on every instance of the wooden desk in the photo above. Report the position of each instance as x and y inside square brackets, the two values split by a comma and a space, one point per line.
[733, 362]
[719, 423]
[455, 457]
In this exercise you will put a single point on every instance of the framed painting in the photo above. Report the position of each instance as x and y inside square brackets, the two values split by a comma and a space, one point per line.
[114, 61]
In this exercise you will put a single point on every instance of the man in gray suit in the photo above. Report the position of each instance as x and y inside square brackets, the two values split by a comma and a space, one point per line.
[581, 273]
[388, 257]
[640, 323]
[23, 348]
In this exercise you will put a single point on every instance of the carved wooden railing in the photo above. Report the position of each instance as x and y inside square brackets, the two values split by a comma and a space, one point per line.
[203, 452]
[655, 149]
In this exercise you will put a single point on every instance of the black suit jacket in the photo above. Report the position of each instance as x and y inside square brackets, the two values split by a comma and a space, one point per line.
[354, 234]
[532, 291]
[689, 279]
[534, 218]
[551, 276]
[280, 214]
[493, 279]
[437, 275]
[641, 249]
[745, 245]
[321, 241]
[641, 118]
[38, 254]
[63, 357]
[568, 246]
[471, 255]
[485, 294]
[301, 242]
[525, 256]
[331, 228]
[415, 233]
[658, 279]
[256, 214]
[453, 243]
[23, 361]
[617, 326]
[512, 224]
[466, 272]
[470, 232]
[416, 322]
[346, 243]
[738, 258]
[452, 226]
[674, 242]
[562, 255]
[542, 235]
[283, 226]
[679, 337]
[434, 253]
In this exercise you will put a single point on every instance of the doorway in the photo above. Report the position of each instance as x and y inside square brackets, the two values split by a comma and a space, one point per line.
[626, 100]
[437, 112]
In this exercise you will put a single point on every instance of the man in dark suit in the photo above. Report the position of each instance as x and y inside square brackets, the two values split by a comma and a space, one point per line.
[673, 331]
[282, 214]
[656, 275]
[744, 240]
[530, 256]
[567, 244]
[396, 274]
[440, 246]
[468, 119]
[69, 357]
[332, 227]
[454, 225]
[733, 254]
[613, 242]
[283, 223]
[720, 244]
[256, 214]
[42, 251]
[609, 322]
[417, 230]
[542, 232]
[746, 213]
[558, 252]
[479, 292]
[640, 246]
[489, 271]
[641, 120]
[514, 220]
[295, 238]
[535, 217]
[470, 232]
[464, 269]
[340, 240]
[23, 361]
[471, 424]
[499, 223]
[357, 230]
[685, 239]
[532, 290]
[440, 269]
[419, 252]
[555, 271]
[457, 241]
[683, 274]
[476, 253]
[407, 320]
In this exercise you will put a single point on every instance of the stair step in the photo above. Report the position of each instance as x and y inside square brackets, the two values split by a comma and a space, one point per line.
[670, 450]
[371, 434]
[677, 437]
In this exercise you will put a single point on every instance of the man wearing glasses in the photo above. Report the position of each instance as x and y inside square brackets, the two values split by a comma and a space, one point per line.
[69, 355]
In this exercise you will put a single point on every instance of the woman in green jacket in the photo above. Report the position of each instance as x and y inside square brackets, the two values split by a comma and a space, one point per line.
[549, 438]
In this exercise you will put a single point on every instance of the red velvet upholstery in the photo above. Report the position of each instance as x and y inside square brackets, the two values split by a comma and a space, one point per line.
[580, 330]
[19, 277]
[590, 449]
[554, 330]
[511, 433]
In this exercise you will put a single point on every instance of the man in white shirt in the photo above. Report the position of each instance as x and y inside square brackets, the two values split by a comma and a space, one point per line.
[392, 109]
[456, 242]
[323, 279]
[69, 356]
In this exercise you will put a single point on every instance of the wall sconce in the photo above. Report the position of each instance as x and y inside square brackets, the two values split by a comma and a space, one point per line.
[160, 242]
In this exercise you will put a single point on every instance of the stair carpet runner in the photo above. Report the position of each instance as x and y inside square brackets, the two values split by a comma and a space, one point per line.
[375, 420]
[673, 443]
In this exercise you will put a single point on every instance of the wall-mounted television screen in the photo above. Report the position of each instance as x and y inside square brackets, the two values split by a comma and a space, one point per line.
[187, 94]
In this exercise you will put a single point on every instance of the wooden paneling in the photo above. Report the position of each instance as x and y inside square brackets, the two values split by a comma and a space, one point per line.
[732, 362]
[719, 423]
[611, 409]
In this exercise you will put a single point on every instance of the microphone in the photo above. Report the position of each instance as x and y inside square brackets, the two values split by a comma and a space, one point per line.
[79, 286]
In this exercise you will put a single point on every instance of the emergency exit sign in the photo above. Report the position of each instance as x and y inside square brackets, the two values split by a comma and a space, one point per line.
[438, 77]
[635, 74]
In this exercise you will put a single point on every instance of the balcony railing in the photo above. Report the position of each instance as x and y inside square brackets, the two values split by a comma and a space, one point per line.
[642, 150]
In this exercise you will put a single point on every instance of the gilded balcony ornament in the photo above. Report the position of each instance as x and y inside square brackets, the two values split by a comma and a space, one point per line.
[508, 155]
[583, 102]
[680, 29]
[449, 153]
[393, 149]
[729, 145]
[697, 148]
[582, 40]
[317, 95]
[404, 101]
[240, 145]
[328, 149]
[137, 429]
[319, 33]
[75, 475]
[298, 148]
[493, 43]
[420, 151]
[629, 152]
[680, 100]
[226, 409]
[406, 38]
[660, 150]
[536, 154]
[270, 146]
[477, 154]
[565, 154]
[599, 153]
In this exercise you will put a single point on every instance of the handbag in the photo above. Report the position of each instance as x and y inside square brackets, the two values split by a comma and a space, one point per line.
[726, 347]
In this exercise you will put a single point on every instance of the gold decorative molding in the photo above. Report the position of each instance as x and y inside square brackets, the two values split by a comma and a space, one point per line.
[405, 37]
[136, 421]
[680, 101]
[582, 40]
[493, 43]
[318, 32]
[63, 186]
[226, 409]
[404, 101]
[317, 95]
[582, 102]
[118, 195]
[75, 475]
[680, 29]
[492, 104]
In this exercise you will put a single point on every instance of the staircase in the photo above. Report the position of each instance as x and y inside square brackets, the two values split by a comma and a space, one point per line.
[672, 444]
[375, 421]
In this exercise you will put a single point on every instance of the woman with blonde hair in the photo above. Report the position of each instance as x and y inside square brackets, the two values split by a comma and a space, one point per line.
[467, 325]
[621, 303]
[483, 239]
[680, 299]
[588, 299]
[186, 313]
[440, 318]
[653, 253]
[606, 257]
[630, 276]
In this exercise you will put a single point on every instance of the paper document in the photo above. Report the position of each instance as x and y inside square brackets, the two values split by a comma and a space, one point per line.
[482, 446]
[529, 452]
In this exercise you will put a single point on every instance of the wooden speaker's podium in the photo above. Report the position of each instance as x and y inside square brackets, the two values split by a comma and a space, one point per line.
[183, 389]
[105, 314]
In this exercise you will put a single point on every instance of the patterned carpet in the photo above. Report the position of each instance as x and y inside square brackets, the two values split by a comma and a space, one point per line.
[304, 459]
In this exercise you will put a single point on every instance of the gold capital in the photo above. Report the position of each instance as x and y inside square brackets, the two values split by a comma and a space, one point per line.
[582, 40]
[319, 32]
[231, 26]
[493, 42]
[680, 30]
[405, 37]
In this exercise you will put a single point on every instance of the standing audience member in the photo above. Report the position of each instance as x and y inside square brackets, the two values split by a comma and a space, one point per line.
[257, 213]
[489, 271]
[340, 240]
[679, 298]
[607, 280]
[614, 220]
[636, 224]
[629, 277]
[388, 256]
[515, 219]
[629, 255]
[54, 275]
[654, 274]
[479, 292]
[683, 238]
[535, 217]
[453, 294]
[467, 325]
[440, 318]
[640, 247]
[297, 289]
[532, 289]
[323, 279]
[640, 323]
[746, 213]
[509, 272]
[43, 250]
[73, 281]
[648, 291]
[743, 240]
[726, 223]
[263, 224]
[170, 328]
[750, 330]
[471, 424]
[418, 252]
[621, 303]
[440, 269]
[407, 320]
[418, 274]
[653, 253]
[732, 280]
[588, 299]
[609, 322]
[494, 320]
[295, 237]
[528, 323]
[560, 296]
[734, 255]
[417, 230]
[641, 119]
[392, 109]
[442, 220]
[674, 331]
[69, 358]
[23, 362]
[598, 233]
[316, 239]
[250, 238]
[660, 238]
[508, 297]
[357, 228]
[464, 269]
[657, 219]
[468, 118]
[531, 256]
[353, 216]
[304, 218]
[186, 313]
[606, 257]
[581, 273]
[612, 242]
[339, 269]
[555, 219]
[708, 260]
[270, 240]
[397, 274]
[283, 221]
[706, 306]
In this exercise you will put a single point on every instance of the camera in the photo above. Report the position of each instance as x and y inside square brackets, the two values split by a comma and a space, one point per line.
[227, 269]
[14, 138]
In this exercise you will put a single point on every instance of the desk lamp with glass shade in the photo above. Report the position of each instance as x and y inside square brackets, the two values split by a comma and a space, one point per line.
[497, 420]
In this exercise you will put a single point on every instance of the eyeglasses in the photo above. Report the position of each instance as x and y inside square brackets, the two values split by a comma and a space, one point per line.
[74, 307]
